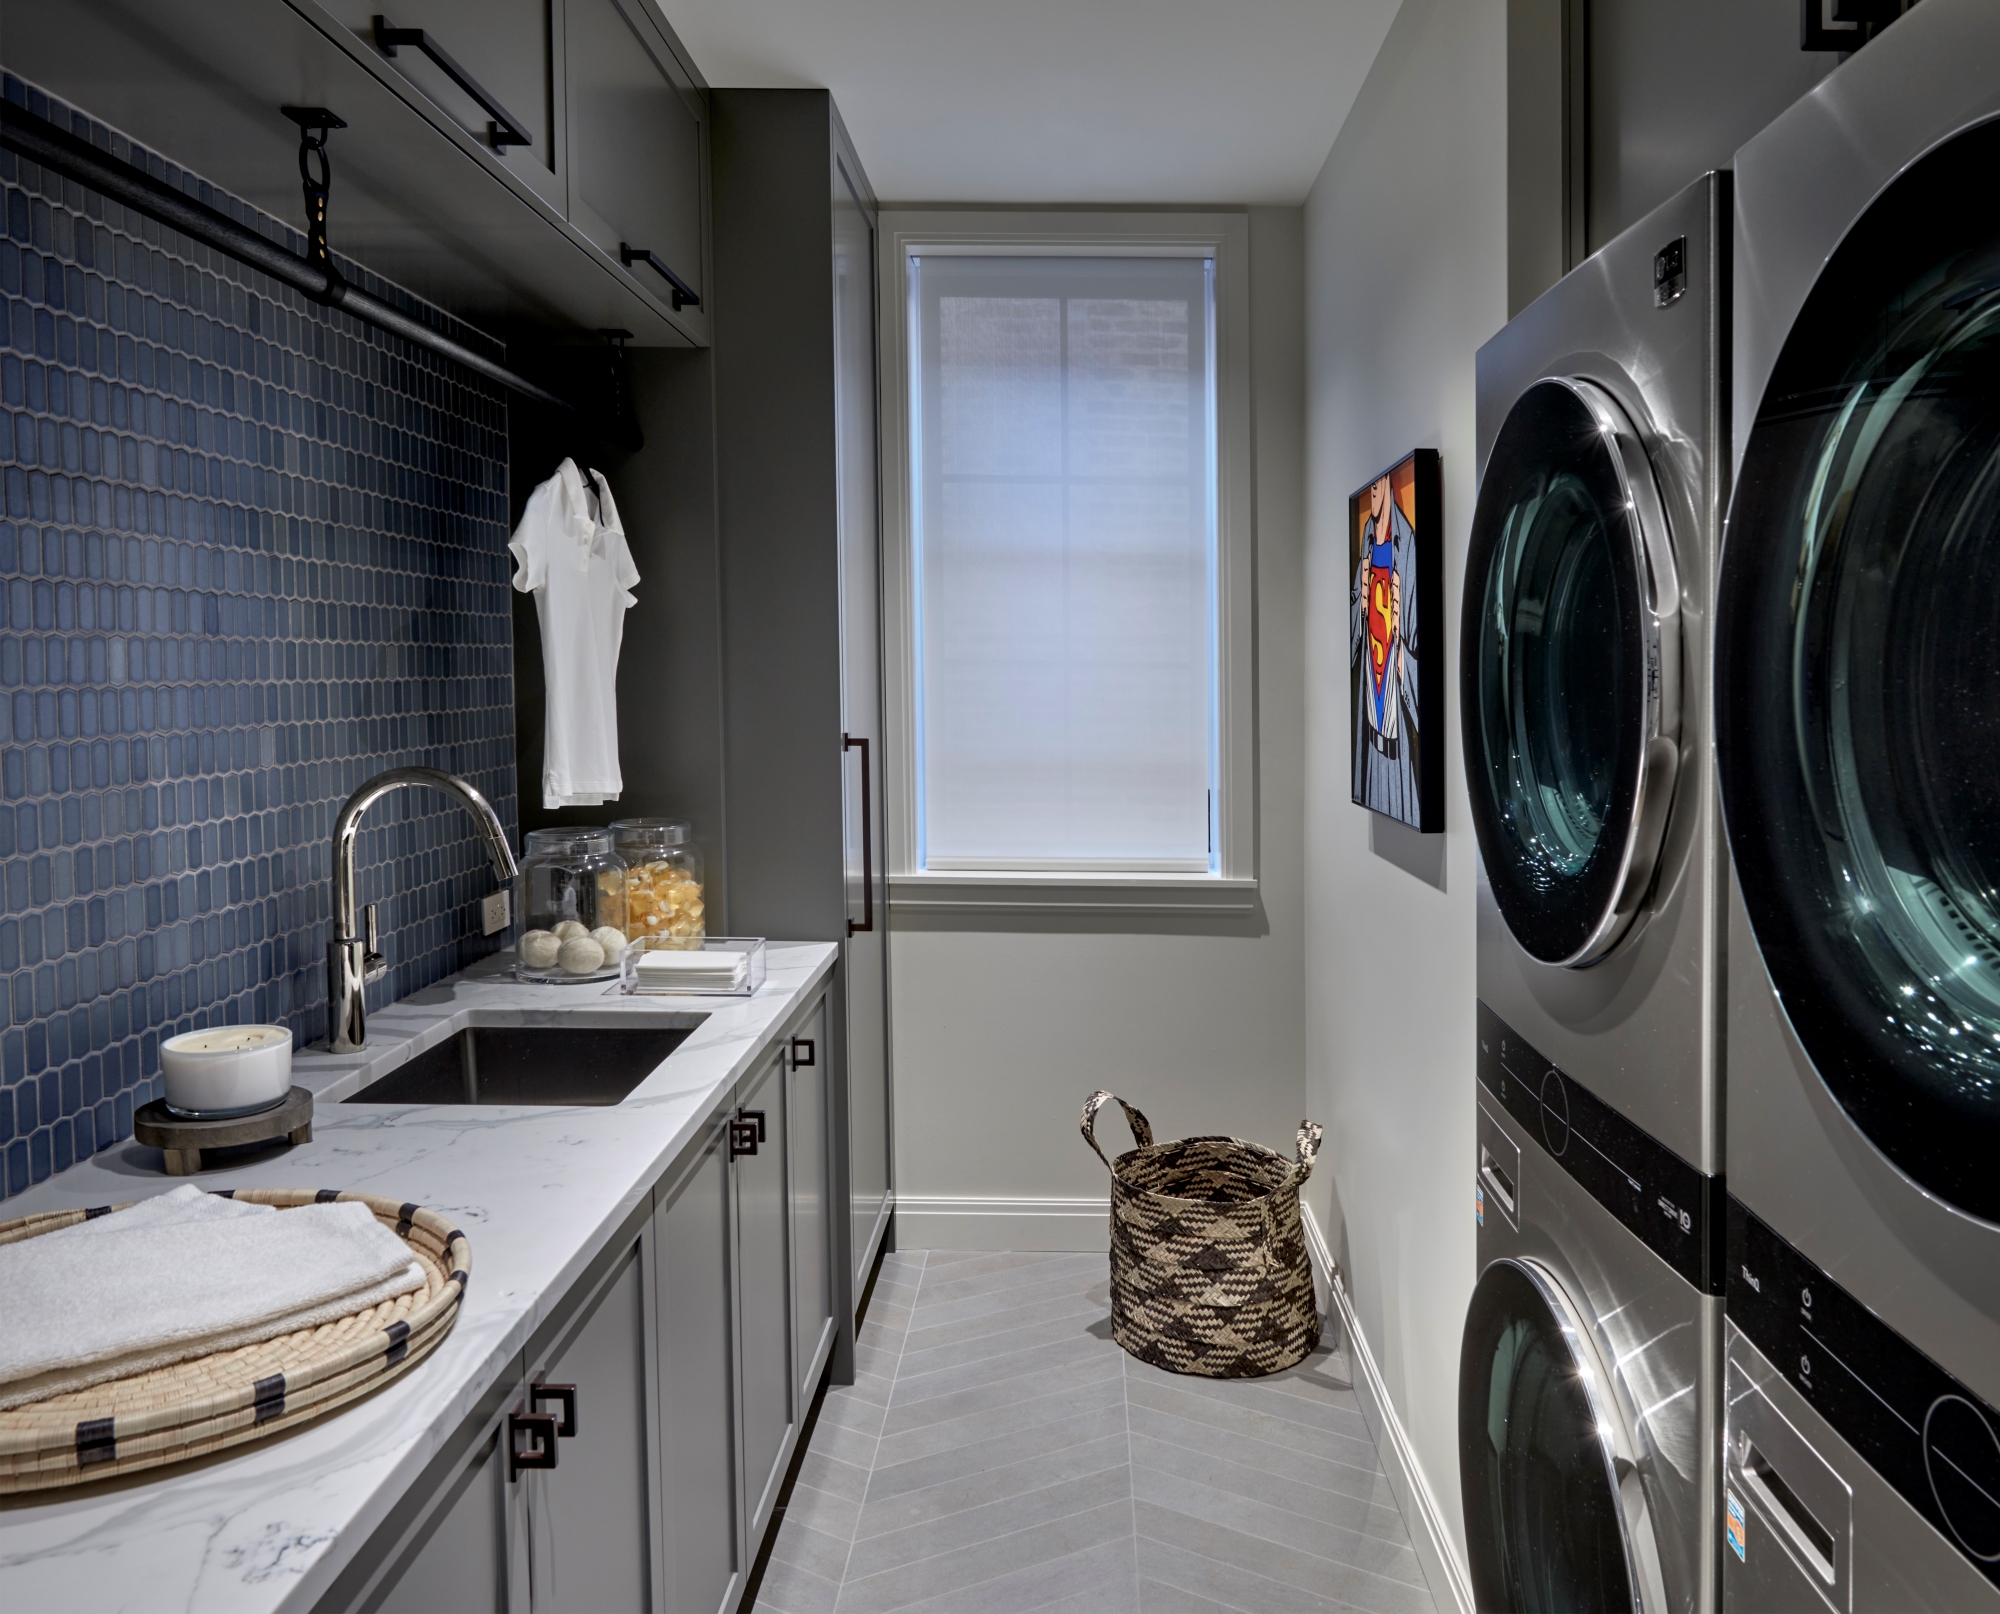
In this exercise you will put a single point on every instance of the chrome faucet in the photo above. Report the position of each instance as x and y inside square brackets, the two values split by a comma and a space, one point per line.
[352, 960]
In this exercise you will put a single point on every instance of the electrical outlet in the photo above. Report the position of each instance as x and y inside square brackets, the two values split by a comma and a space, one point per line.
[496, 913]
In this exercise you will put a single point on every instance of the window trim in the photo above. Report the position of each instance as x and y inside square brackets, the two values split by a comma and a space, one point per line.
[1232, 885]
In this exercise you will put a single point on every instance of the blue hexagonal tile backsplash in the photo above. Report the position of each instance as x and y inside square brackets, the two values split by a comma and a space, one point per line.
[252, 552]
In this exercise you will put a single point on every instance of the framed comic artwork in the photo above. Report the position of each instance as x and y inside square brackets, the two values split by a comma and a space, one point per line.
[1396, 624]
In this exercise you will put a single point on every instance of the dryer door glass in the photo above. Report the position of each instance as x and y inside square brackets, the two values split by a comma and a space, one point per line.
[1544, 1529]
[1555, 658]
[1858, 671]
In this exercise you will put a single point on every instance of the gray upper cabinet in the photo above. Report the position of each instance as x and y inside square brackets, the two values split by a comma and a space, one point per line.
[636, 149]
[516, 238]
[507, 59]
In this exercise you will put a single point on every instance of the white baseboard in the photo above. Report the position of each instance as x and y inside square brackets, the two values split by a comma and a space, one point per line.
[1450, 1586]
[959, 1223]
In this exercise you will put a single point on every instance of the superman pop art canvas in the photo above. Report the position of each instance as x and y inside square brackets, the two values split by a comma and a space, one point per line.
[1398, 678]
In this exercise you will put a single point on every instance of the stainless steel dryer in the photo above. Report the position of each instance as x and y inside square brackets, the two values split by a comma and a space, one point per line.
[1584, 698]
[1858, 749]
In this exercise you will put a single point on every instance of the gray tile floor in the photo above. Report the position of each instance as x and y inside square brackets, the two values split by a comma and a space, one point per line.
[997, 1453]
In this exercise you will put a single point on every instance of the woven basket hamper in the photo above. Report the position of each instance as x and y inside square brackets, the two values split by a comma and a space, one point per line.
[1209, 1272]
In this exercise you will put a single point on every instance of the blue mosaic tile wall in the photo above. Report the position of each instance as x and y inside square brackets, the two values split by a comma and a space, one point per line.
[251, 553]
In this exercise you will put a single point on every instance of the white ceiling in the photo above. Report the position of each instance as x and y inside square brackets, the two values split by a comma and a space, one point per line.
[1061, 100]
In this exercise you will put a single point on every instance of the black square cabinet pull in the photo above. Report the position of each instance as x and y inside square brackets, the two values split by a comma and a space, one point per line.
[563, 1395]
[540, 1428]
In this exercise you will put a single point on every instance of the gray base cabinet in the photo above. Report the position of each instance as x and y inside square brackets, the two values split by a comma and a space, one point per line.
[763, 1297]
[590, 1544]
[694, 1450]
[670, 1384]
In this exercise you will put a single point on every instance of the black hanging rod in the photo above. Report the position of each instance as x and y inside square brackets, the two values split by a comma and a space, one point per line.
[55, 148]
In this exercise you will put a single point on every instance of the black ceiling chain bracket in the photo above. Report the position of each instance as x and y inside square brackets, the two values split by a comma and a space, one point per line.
[315, 124]
[60, 151]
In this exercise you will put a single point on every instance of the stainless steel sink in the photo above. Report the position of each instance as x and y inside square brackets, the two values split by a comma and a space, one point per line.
[554, 1065]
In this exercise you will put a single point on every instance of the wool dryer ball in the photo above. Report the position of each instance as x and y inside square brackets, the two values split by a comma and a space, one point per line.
[580, 956]
[539, 949]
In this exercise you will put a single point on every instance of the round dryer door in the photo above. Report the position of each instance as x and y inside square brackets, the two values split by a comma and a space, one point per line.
[1570, 672]
[1555, 1513]
[1858, 673]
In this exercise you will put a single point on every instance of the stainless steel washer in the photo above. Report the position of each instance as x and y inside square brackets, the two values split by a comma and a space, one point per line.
[1585, 1456]
[1584, 701]
[1858, 751]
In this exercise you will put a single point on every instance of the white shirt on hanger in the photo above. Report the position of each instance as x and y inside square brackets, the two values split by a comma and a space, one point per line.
[570, 554]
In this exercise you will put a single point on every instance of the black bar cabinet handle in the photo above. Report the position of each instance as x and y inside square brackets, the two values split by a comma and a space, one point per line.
[565, 1396]
[684, 294]
[540, 1425]
[505, 130]
[849, 742]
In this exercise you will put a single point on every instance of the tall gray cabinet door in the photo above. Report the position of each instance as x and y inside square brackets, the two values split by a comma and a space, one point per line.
[696, 1509]
[594, 1532]
[867, 962]
[763, 1299]
[808, 1138]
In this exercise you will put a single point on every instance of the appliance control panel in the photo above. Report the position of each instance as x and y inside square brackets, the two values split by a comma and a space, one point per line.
[1674, 1209]
[1925, 1433]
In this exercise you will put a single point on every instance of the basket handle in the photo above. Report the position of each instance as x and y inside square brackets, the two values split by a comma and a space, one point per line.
[1310, 1132]
[1142, 1129]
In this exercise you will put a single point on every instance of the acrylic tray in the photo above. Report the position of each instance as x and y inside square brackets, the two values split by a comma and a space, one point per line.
[661, 982]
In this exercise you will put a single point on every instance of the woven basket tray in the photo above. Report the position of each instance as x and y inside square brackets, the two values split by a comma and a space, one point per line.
[211, 1402]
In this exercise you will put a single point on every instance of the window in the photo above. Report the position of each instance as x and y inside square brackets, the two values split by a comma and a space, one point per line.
[1063, 444]
[1063, 567]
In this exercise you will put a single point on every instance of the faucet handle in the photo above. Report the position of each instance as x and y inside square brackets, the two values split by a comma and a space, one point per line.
[373, 965]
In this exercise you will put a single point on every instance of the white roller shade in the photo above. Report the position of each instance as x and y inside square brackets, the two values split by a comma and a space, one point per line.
[1064, 460]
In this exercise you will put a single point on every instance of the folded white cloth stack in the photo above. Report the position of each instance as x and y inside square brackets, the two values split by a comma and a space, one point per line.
[677, 971]
[179, 1276]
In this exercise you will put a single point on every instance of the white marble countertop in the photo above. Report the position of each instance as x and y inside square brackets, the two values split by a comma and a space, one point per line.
[538, 1192]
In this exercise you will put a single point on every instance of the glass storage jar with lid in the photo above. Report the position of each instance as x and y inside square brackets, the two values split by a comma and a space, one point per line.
[572, 906]
[663, 889]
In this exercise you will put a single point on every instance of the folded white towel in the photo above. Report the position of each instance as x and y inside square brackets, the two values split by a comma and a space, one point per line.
[185, 1204]
[689, 970]
[182, 1283]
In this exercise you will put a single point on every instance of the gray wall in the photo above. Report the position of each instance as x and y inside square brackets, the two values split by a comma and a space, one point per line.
[1406, 246]
[670, 668]
[1003, 1028]
[1676, 86]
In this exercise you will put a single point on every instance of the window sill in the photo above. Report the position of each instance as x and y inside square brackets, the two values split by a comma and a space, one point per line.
[1018, 892]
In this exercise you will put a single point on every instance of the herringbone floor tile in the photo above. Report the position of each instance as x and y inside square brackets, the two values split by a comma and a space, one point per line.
[1001, 1455]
